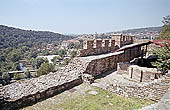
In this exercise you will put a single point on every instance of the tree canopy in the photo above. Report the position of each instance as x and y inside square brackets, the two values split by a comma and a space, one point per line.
[165, 33]
[163, 53]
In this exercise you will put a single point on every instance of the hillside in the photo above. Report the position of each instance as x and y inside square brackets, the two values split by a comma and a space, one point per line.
[142, 33]
[143, 29]
[10, 36]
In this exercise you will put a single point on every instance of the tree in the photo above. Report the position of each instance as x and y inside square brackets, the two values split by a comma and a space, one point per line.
[73, 54]
[165, 33]
[27, 74]
[2, 58]
[71, 46]
[163, 61]
[33, 54]
[62, 53]
[163, 53]
[14, 56]
[18, 76]
[5, 78]
[66, 61]
[45, 69]
[36, 62]
[56, 59]
[16, 66]
[166, 20]
[75, 45]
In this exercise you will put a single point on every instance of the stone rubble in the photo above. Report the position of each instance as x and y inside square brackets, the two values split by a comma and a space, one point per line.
[152, 90]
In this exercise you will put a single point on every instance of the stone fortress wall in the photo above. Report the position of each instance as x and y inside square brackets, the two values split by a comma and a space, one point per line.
[22, 93]
[122, 40]
[99, 46]
[28, 92]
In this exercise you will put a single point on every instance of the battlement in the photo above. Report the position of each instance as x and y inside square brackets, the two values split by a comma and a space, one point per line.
[122, 40]
[98, 46]
[102, 46]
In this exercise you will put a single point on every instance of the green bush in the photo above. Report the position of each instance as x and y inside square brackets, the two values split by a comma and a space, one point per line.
[66, 61]
[73, 54]
[163, 53]
[27, 74]
[5, 78]
[56, 59]
[18, 76]
[163, 61]
[45, 69]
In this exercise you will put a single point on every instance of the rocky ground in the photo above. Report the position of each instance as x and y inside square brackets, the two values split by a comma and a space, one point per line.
[163, 104]
[121, 85]
[153, 90]
[158, 90]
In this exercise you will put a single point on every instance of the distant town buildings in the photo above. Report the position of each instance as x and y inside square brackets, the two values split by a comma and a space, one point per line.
[143, 33]
[66, 43]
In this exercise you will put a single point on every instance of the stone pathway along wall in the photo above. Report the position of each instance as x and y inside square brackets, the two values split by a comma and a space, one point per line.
[30, 91]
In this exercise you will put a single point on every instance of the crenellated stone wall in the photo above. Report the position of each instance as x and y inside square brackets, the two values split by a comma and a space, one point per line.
[122, 40]
[102, 63]
[27, 92]
[96, 47]
[22, 93]
[99, 46]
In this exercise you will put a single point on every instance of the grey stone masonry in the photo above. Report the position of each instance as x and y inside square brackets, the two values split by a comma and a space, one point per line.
[27, 92]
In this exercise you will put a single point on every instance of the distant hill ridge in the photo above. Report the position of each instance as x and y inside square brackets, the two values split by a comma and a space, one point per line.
[159, 28]
[16, 35]
[142, 33]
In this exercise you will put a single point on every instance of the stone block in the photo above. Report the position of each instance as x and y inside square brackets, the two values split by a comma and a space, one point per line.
[112, 43]
[98, 43]
[88, 44]
[106, 43]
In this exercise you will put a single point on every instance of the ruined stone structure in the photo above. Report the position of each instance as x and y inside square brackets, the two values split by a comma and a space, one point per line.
[152, 90]
[19, 94]
[137, 73]
[96, 47]
[122, 40]
[143, 74]
[101, 63]
[99, 46]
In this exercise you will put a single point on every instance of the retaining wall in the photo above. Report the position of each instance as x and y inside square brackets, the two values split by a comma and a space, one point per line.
[27, 92]
[102, 63]
[33, 98]
[22, 93]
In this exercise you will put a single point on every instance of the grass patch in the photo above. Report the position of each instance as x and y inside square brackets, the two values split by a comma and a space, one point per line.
[76, 100]
[104, 100]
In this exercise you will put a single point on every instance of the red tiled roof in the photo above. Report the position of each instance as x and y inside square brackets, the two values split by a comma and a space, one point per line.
[161, 43]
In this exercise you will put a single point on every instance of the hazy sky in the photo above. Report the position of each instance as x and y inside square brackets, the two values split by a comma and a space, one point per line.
[82, 16]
